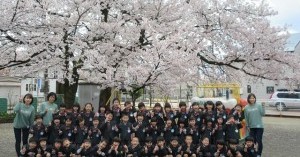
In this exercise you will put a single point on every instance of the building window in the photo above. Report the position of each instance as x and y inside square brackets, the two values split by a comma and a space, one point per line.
[270, 89]
[248, 89]
[30, 87]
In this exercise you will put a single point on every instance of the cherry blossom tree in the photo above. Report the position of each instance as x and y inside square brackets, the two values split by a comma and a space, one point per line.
[141, 43]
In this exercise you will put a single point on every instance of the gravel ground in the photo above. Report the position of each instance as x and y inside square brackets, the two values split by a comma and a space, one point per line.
[281, 138]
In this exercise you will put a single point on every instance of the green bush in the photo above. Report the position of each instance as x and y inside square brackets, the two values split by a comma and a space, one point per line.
[7, 117]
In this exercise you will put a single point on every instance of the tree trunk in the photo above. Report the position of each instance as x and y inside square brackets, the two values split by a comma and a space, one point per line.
[104, 97]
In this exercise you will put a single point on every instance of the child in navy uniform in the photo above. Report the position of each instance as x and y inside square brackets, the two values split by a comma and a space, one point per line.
[57, 148]
[116, 149]
[101, 149]
[194, 131]
[44, 150]
[101, 113]
[130, 111]
[221, 149]
[86, 149]
[139, 128]
[182, 115]
[169, 113]
[208, 130]
[62, 114]
[147, 150]
[116, 110]
[38, 130]
[94, 132]
[232, 128]
[182, 131]
[221, 111]
[81, 132]
[109, 128]
[67, 130]
[142, 110]
[197, 114]
[160, 148]
[169, 131]
[174, 147]
[158, 114]
[75, 113]
[153, 130]
[210, 112]
[30, 149]
[206, 149]
[233, 148]
[68, 148]
[134, 149]
[249, 148]
[124, 129]
[188, 149]
[220, 131]
[88, 114]
[54, 130]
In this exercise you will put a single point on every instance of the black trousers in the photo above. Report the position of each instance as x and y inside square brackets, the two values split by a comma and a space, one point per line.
[21, 134]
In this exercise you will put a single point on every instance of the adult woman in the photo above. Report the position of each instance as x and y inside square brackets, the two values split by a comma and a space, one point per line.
[48, 108]
[253, 115]
[25, 113]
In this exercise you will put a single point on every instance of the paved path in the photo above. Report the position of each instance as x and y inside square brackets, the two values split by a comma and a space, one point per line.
[281, 138]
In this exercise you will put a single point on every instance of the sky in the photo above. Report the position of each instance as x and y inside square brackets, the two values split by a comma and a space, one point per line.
[288, 14]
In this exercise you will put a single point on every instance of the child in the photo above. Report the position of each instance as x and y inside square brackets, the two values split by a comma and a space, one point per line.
[116, 149]
[153, 130]
[88, 114]
[142, 110]
[169, 131]
[108, 128]
[206, 149]
[209, 112]
[94, 132]
[54, 130]
[130, 111]
[169, 113]
[38, 129]
[220, 129]
[221, 111]
[238, 113]
[139, 128]
[116, 110]
[208, 130]
[188, 149]
[221, 149]
[174, 147]
[67, 130]
[101, 113]
[75, 113]
[57, 148]
[134, 150]
[157, 113]
[233, 148]
[160, 148]
[194, 131]
[30, 149]
[182, 131]
[232, 128]
[81, 132]
[61, 113]
[197, 114]
[249, 148]
[44, 149]
[182, 115]
[68, 148]
[147, 151]
[85, 149]
[101, 149]
[124, 130]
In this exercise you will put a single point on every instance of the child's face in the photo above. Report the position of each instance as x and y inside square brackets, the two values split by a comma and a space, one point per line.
[192, 122]
[238, 108]
[209, 106]
[157, 108]
[153, 123]
[56, 121]
[66, 143]
[102, 109]
[188, 140]
[81, 122]
[129, 105]
[205, 141]
[220, 107]
[96, 122]
[88, 107]
[109, 117]
[140, 118]
[182, 108]
[142, 108]
[168, 109]
[43, 143]
[125, 118]
[39, 120]
[160, 143]
[75, 108]
[57, 144]
[174, 143]
[181, 125]
[169, 123]
[249, 143]
[220, 120]
[209, 124]
[68, 122]
[32, 144]
[134, 141]
[116, 144]
[219, 146]
[232, 146]
[116, 103]
[62, 109]
[195, 107]
[103, 144]
[87, 145]
[148, 144]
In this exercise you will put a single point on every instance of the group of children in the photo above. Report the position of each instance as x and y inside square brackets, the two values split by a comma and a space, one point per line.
[163, 131]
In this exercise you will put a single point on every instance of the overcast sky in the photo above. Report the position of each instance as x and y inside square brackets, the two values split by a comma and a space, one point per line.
[288, 13]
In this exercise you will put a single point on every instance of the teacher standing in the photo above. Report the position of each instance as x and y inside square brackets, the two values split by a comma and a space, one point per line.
[253, 116]
[48, 108]
[24, 119]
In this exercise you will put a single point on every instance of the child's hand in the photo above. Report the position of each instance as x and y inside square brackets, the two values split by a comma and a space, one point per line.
[156, 148]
